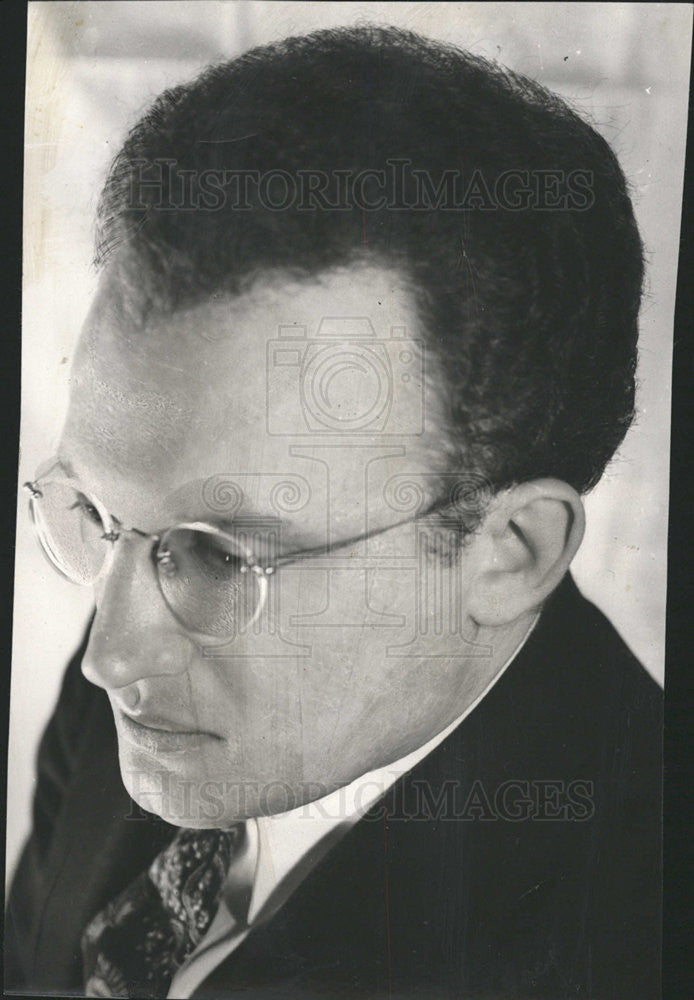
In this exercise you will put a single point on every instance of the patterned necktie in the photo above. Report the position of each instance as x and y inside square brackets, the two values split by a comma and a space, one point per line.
[134, 946]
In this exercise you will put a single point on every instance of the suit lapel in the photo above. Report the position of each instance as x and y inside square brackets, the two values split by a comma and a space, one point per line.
[104, 824]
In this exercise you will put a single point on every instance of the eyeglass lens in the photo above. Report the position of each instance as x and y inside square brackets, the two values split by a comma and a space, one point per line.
[70, 528]
[206, 580]
[204, 577]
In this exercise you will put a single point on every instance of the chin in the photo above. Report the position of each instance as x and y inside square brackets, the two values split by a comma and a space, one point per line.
[175, 788]
[178, 787]
[179, 790]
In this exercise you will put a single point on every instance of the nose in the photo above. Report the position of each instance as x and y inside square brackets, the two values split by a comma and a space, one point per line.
[134, 636]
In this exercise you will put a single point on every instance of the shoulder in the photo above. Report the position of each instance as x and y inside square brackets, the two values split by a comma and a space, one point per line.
[81, 714]
[577, 679]
[555, 835]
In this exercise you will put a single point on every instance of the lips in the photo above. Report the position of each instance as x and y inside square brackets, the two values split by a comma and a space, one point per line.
[161, 736]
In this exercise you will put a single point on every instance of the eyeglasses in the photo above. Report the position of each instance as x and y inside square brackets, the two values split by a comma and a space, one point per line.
[209, 579]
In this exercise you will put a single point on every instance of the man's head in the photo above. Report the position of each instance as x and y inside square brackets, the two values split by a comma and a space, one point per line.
[312, 371]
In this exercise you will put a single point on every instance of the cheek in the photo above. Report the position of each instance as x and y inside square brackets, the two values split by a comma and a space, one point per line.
[282, 719]
[353, 702]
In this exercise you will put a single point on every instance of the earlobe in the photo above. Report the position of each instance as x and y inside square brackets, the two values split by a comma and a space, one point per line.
[527, 543]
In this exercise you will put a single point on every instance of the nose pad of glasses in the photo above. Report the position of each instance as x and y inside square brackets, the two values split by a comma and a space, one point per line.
[166, 562]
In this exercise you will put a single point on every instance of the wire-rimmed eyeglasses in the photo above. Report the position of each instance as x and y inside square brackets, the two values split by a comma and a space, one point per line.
[210, 580]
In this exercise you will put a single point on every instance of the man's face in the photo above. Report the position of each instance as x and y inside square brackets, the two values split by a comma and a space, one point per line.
[307, 411]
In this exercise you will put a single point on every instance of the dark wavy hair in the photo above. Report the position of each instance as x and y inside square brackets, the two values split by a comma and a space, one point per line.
[532, 313]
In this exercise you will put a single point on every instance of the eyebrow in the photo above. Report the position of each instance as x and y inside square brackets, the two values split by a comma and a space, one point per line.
[66, 465]
[250, 519]
[48, 465]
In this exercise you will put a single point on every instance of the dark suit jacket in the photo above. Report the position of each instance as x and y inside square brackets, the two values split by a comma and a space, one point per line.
[520, 859]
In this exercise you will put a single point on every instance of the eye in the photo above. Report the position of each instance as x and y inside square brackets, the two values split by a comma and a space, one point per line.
[214, 552]
[202, 555]
[85, 507]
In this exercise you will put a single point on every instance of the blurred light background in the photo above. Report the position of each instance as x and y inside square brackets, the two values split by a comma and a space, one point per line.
[94, 67]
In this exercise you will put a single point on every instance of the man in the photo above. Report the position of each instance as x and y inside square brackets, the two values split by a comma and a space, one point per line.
[342, 725]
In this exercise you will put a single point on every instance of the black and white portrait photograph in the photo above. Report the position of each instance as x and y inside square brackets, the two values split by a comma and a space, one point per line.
[341, 542]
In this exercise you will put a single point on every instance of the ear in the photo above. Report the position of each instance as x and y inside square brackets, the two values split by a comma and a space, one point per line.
[526, 544]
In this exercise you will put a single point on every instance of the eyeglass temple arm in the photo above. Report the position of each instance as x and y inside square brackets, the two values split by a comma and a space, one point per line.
[327, 549]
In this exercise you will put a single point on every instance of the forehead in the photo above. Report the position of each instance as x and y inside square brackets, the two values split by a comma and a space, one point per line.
[289, 374]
